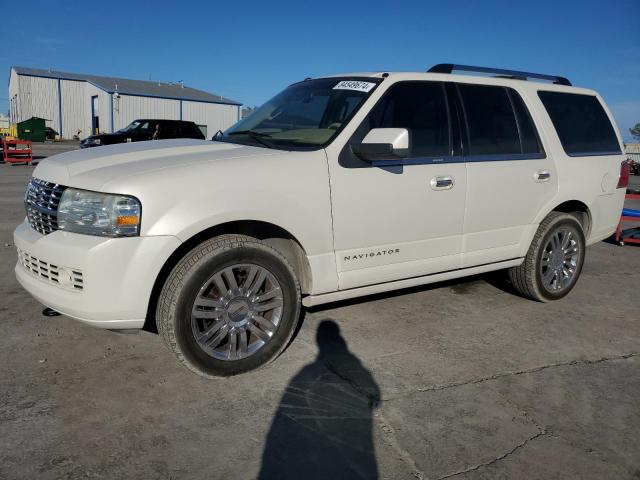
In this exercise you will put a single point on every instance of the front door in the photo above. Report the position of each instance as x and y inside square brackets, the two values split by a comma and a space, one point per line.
[400, 219]
[509, 176]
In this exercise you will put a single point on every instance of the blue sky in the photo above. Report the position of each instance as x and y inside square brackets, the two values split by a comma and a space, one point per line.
[250, 50]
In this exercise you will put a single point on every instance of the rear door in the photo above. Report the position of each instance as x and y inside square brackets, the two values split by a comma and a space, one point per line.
[510, 178]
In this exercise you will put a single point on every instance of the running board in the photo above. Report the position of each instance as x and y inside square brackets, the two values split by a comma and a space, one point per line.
[313, 300]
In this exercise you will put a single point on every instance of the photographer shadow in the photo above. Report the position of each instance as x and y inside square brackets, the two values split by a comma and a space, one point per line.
[323, 426]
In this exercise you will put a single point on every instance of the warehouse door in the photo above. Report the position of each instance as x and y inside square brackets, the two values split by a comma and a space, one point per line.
[95, 116]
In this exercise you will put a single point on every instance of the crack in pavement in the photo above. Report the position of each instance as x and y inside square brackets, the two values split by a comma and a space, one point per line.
[389, 436]
[391, 440]
[496, 376]
[497, 459]
[374, 400]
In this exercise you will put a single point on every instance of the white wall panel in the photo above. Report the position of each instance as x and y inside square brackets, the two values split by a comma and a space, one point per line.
[128, 108]
[13, 95]
[214, 115]
[38, 97]
[74, 108]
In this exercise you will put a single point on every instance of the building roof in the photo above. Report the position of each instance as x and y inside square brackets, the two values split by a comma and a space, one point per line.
[127, 86]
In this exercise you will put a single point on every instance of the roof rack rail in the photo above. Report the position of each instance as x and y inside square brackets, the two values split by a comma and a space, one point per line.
[515, 74]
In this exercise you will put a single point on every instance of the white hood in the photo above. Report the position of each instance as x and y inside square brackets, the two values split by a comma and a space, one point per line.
[92, 168]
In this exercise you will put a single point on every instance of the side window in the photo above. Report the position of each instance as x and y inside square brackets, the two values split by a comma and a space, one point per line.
[146, 128]
[528, 133]
[421, 108]
[169, 129]
[581, 123]
[191, 130]
[185, 128]
[491, 122]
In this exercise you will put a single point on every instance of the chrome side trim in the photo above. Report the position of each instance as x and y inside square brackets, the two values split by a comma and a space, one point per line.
[313, 300]
[458, 159]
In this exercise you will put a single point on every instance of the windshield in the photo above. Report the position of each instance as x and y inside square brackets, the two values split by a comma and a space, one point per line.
[307, 114]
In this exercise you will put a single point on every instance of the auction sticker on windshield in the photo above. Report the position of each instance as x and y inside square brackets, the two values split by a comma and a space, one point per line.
[354, 85]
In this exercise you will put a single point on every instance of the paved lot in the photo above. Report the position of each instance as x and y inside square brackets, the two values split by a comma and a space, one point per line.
[43, 150]
[458, 380]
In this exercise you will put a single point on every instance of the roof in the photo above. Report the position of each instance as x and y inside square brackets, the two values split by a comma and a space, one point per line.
[466, 78]
[127, 86]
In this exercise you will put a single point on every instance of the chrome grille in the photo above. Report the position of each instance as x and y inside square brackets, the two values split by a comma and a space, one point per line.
[41, 202]
[69, 278]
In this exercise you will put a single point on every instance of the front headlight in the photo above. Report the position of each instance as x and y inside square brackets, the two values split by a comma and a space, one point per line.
[102, 214]
[92, 141]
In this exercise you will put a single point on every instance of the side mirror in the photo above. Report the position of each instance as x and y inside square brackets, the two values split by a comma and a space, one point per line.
[384, 144]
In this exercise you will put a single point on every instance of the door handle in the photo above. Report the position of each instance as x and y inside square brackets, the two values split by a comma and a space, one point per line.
[542, 176]
[441, 183]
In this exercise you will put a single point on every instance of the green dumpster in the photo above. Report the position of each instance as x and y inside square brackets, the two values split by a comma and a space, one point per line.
[33, 129]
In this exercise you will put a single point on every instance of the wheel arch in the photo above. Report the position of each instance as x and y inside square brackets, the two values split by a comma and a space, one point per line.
[578, 209]
[277, 237]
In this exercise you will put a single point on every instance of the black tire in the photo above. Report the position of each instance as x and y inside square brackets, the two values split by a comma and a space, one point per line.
[527, 278]
[173, 313]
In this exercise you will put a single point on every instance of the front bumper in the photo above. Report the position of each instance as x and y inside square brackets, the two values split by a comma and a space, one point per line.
[105, 282]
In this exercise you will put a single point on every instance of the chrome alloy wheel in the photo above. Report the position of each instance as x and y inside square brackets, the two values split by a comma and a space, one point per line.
[559, 261]
[237, 311]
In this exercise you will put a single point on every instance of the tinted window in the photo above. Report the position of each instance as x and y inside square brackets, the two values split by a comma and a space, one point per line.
[581, 123]
[491, 121]
[189, 129]
[168, 130]
[146, 128]
[421, 108]
[528, 134]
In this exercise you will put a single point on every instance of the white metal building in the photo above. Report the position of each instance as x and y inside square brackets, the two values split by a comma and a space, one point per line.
[89, 103]
[633, 151]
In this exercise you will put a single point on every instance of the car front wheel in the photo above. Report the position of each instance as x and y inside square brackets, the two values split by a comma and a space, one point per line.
[229, 306]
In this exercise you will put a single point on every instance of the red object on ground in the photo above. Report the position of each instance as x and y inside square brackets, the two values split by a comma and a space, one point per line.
[17, 151]
[626, 218]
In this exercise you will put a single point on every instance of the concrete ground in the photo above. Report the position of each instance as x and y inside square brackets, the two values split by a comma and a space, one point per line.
[456, 380]
[44, 150]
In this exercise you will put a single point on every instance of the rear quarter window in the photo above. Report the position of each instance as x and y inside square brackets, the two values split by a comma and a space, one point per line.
[581, 123]
[190, 129]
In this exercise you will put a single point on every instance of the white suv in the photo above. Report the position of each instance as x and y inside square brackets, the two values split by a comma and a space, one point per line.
[337, 187]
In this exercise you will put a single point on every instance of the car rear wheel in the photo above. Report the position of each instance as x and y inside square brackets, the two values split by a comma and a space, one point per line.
[554, 261]
[229, 306]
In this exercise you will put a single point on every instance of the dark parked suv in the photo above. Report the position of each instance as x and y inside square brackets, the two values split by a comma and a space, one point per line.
[140, 130]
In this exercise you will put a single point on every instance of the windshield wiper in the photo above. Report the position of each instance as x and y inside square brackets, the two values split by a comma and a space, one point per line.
[258, 136]
[249, 132]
